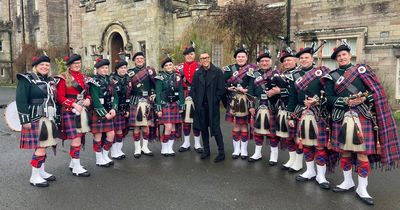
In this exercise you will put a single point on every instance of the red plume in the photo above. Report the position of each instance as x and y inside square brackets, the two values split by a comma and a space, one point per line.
[334, 49]
[66, 58]
[98, 60]
[35, 58]
[301, 49]
[116, 61]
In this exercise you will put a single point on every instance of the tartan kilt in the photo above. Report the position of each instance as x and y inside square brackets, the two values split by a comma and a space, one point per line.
[170, 114]
[120, 122]
[367, 131]
[69, 130]
[101, 124]
[30, 137]
[322, 139]
[132, 116]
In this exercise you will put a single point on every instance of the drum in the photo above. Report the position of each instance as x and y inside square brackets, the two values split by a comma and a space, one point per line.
[141, 112]
[11, 117]
[261, 123]
[239, 106]
[308, 129]
[189, 110]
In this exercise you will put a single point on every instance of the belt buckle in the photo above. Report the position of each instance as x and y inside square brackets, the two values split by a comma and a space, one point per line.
[145, 93]
[79, 97]
[264, 96]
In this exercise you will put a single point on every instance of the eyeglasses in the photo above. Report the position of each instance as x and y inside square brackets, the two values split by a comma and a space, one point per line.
[204, 58]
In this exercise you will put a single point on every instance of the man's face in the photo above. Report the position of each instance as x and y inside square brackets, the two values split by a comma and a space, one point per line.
[102, 70]
[190, 57]
[241, 58]
[122, 70]
[205, 60]
[139, 60]
[306, 60]
[289, 63]
[265, 63]
[343, 58]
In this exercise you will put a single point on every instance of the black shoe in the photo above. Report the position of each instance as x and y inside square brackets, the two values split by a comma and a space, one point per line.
[219, 158]
[117, 158]
[171, 154]
[104, 165]
[165, 155]
[368, 201]
[43, 184]
[84, 174]
[199, 150]
[123, 156]
[111, 163]
[324, 185]
[205, 155]
[243, 157]
[137, 156]
[183, 149]
[235, 157]
[285, 168]
[148, 154]
[338, 189]
[50, 178]
[252, 160]
[291, 170]
[302, 179]
[272, 163]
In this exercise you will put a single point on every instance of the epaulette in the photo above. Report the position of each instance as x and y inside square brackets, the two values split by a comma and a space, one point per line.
[159, 77]
[226, 68]
[93, 81]
[26, 76]
[327, 76]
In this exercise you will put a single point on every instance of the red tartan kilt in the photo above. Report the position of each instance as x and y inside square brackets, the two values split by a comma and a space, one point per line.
[101, 124]
[322, 140]
[132, 116]
[68, 130]
[30, 137]
[170, 114]
[367, 130]
[120, 122]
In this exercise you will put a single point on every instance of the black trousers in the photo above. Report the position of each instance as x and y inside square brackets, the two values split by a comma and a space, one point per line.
[205, 135]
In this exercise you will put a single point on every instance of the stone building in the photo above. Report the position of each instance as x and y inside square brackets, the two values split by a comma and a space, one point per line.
[371, 28]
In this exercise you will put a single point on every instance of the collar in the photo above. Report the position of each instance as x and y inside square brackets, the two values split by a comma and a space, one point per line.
[308, 69]
[346, 66]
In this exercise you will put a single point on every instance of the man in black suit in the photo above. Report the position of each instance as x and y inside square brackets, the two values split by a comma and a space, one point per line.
[207, 91]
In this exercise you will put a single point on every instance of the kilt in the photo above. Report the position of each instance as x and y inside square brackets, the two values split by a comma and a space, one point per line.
[101, 124]
[239, 120]
[322, 135]
[132, 116]
[30, 137]
[120, 122]
[367, 131]
[170, 114]
[69, 130]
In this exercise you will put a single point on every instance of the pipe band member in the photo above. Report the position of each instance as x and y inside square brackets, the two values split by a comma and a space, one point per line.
[169, 104]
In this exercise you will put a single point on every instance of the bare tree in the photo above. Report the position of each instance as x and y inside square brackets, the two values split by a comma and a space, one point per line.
[252, 24]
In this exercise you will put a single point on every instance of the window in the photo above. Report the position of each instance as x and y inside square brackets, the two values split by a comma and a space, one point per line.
[2, 72]
[36, 4]
[217, 54]
[328, 49]
[37, 37]
[142, 46]
[1, 45]
[18, 7]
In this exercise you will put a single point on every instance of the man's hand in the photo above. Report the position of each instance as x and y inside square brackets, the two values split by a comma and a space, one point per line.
[86, 102]
[356, 101]
[159, 114]
[126, 115]
[252, 111]
[77, 107]
[112, 113]
[309, 102]
[291, 123]
[232, 88]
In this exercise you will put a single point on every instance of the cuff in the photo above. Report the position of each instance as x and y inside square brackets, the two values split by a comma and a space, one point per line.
[284, 92]
[101, 112]
[340, 102]
[158, 108]
[24, 118]
[370, 98]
